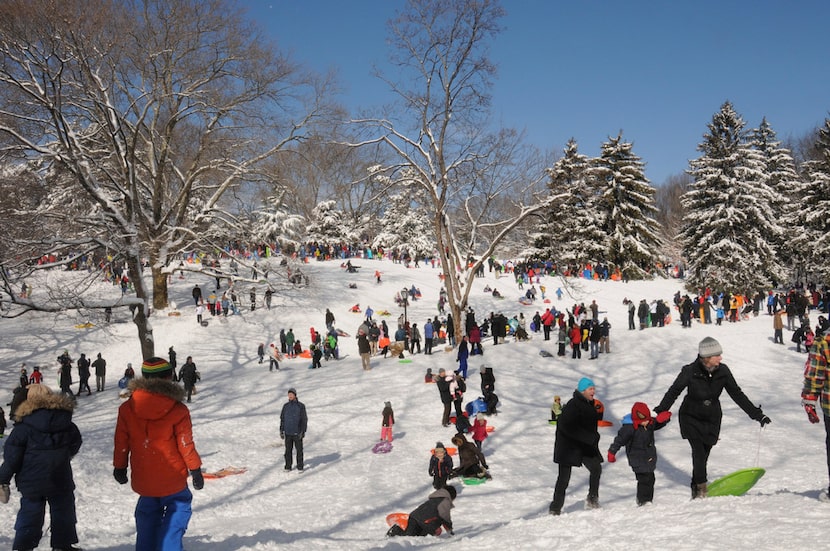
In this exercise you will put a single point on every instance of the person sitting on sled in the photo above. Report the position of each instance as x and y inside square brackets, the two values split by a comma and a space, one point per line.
[471, 461]
[556, 408]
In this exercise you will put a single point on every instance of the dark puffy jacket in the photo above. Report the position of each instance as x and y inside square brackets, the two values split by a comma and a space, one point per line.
[39, 449]
[433, 513]
[293, 419]
[639, 444]
[700, 412]
[576, 432]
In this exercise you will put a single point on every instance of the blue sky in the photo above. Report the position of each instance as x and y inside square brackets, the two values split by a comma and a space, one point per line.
[657, 70]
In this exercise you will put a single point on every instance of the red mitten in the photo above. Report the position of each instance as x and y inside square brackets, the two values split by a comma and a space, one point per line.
[611, 457]
[663, 417]
[811, 413]
[809, 403]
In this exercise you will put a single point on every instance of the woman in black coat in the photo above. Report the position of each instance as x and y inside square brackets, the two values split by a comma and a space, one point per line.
[700, 413]
[577, 443]
[443, 386]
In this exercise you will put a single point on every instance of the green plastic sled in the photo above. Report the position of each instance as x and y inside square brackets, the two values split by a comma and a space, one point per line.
[472, 480]
[735, 484]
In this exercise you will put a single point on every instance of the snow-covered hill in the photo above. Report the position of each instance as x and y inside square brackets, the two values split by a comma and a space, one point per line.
[341, 500]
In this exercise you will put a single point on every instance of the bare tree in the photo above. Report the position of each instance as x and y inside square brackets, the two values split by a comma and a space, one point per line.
[148, 111]
[465, 175]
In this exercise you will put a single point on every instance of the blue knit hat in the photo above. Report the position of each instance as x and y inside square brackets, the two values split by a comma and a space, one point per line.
[584, 383]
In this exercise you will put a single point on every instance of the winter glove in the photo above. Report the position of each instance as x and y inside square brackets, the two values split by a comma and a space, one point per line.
[5, 493]
[809, 402]
[611, 457]
[198, 479]
[764, 420]
[302, 435]
[120, 475]
[282, 435]
[663, 417]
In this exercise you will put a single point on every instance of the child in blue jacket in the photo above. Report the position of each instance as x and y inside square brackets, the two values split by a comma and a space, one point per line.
[637, 435]
[37, 455]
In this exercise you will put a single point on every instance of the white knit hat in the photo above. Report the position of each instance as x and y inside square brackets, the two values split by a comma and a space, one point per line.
[709, 347]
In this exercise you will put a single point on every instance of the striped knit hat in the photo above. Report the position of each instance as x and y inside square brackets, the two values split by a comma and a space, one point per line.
[155, 367]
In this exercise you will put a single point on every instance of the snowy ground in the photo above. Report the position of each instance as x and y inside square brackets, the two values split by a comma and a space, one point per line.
[341, 500]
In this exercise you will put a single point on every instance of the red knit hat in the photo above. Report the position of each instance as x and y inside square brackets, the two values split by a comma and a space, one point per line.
[640, 414]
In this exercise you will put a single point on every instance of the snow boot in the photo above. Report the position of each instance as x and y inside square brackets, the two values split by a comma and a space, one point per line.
[592, 502]
[699, 490]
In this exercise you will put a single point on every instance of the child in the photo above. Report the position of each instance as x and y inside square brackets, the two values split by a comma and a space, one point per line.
[428, 377]
[316, 356]
[440, 466]
[38, 454]
[24, 377]
[260, 351]
[388, 422]
[479, 430]
[637, 435]
[298, 348]
[36, 377]
[719, 315]
[556, 409]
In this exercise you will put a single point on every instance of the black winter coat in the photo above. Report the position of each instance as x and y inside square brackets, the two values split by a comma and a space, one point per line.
[444, 389]
[639, 445]
[187, 375]
[434, 513]
[39, 449]
[576, 432]
[700, 412]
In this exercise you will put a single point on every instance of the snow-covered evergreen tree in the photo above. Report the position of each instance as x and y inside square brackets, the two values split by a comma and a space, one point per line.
[329, 225]
[814, 210]
[406, 227]
[274, 224]
[729, 231]
[571, 231]
[626, 203]
[786, 187]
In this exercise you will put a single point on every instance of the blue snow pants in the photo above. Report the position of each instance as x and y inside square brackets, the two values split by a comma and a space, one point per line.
[162, 521]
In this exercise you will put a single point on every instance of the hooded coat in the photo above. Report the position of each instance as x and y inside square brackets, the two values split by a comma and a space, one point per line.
[38, 451]
[155, 435]
[700, 412]
[576, 432]
[638, 439]
[434, 513]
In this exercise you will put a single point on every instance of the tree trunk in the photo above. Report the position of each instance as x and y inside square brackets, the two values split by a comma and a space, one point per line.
[160, 298]
[141, 312]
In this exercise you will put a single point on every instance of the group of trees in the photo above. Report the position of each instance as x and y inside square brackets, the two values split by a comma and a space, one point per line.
[151, 127]
[605, 212]
[751, 217]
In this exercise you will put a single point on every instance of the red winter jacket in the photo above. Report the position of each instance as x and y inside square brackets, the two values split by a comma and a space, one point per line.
[155, 434]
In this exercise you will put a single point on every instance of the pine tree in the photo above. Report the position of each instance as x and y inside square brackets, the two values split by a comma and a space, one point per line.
[328, 225]
[406, 227]
[275, 224]
[571, 231]
[727, 232]
[627, 205]
[814, 212]
[786, 188]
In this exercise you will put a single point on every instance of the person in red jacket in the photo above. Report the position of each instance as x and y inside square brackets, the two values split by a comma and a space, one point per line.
[575, 334]
[154, 434]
